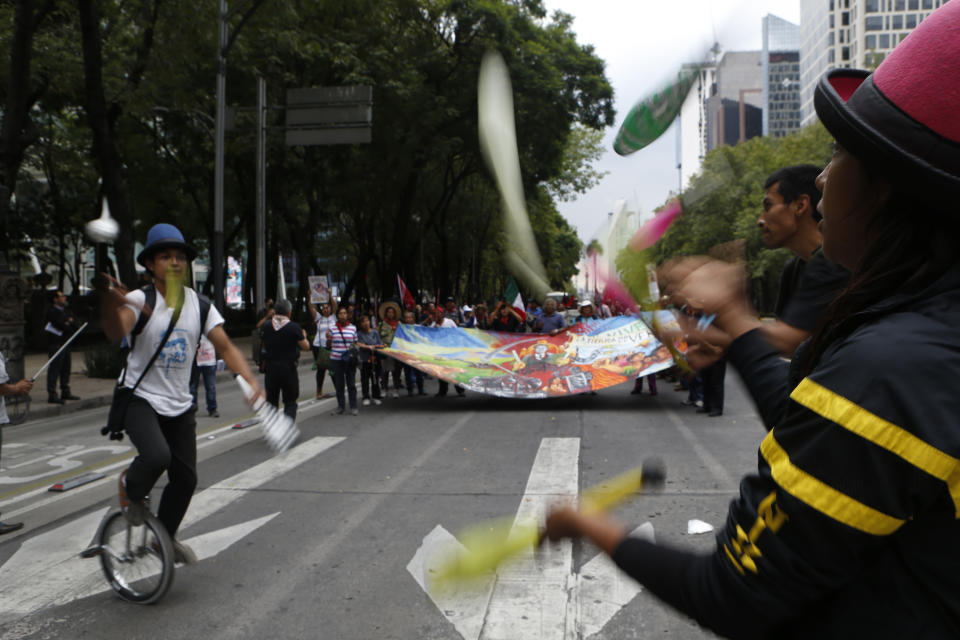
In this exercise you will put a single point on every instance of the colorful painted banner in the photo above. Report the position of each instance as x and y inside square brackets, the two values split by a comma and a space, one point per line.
[585, 357]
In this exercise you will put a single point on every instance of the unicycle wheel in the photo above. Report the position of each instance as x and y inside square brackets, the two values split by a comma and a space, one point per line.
[136, 560]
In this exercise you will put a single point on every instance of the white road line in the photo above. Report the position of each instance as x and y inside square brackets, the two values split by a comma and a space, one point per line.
[204, 440]
[717, 469]
[531, 594]
[47, 569]
[271, 599]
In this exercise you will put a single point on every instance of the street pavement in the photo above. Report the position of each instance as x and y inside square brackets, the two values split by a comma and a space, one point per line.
[334, 538]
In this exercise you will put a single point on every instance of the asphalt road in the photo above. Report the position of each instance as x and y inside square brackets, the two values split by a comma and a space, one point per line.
[321, 542]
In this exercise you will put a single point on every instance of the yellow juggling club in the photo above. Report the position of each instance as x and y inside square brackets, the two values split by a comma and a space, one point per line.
[174, 295]
[490, 543]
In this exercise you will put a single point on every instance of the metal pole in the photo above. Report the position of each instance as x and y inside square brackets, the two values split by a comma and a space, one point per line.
[217, 258]
[261, 220]
[59, 351]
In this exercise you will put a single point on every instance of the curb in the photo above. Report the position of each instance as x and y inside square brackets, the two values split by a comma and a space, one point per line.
[42, 410]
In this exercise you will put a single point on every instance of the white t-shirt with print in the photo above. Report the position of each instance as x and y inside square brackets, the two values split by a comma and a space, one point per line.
[167, 383]
[206, 354]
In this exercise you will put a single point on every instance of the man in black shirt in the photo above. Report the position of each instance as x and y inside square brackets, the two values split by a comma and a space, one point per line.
[809, 282]
[282, 339]
[60, 326]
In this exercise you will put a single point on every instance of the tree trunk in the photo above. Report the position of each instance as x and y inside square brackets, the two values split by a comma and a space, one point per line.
[104, 143]
[17, 132]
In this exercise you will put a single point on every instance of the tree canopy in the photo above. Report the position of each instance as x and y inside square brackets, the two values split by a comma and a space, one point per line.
[123, 92]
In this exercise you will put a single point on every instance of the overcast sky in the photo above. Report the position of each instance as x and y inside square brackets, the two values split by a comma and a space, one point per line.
[644, 43]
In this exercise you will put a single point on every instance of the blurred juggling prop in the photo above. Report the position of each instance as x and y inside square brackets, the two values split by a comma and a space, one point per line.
[498, 142]
[654, 228]
[174, 295]
[652, 116]
[487, 545]
[279, 429]
[104, 228]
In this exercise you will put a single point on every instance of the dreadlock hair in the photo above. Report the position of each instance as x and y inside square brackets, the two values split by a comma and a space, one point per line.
[911, 245]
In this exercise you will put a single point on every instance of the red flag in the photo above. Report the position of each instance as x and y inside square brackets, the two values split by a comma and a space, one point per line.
[408, 302]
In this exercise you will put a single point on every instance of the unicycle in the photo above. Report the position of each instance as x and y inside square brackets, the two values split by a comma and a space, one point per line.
[137, 560]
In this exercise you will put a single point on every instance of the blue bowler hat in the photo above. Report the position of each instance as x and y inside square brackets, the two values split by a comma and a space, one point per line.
[164, 236]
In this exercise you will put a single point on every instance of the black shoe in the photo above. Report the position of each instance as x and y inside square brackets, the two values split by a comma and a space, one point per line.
[337, 412]
[213, 414]
[55, 400]
[440, 395]
[421, 393]
[70, 396]
[714, 414]
[636, 392]
[10, 527]
[461, 394]
[703, 410]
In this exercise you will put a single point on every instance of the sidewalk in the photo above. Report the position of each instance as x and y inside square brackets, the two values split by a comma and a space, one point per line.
[93, 392]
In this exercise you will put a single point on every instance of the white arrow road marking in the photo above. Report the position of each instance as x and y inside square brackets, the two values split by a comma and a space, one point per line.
[604, 589]
[47, 570]
[530, 598]
[536, 595]
[212, 543]
[464, 605]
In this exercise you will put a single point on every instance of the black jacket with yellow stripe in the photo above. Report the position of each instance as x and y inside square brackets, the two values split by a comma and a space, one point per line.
[850, 526]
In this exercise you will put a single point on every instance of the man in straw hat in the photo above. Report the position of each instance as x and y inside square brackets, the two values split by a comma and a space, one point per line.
[160, 419]
[849, 527]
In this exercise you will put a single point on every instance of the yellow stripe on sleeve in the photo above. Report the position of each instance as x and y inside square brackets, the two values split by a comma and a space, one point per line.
[823, 497]
[894, 439]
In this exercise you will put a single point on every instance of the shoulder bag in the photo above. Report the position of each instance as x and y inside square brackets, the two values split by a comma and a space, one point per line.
[123, 395]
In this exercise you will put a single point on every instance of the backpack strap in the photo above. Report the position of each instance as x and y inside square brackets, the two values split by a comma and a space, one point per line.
[150, 301]
[204, 303]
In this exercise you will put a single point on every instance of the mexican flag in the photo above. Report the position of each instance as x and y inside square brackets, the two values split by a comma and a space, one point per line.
[512, 295]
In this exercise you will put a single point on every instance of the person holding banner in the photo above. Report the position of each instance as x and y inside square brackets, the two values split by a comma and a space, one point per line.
[389, 321]
[411, 375]
[342, 340]
[848, 528]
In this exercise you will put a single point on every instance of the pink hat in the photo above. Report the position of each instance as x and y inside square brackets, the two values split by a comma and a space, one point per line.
[905, 117]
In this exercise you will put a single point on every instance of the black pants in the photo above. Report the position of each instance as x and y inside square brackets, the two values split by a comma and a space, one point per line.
[712, 377]
[163, 444]
[445, 386]
[321, 372]
[370, 377]
[394, 366]
[58, 369]
[345, 375]
[282, 377]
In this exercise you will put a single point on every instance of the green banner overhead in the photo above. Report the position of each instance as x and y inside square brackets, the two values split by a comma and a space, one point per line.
[650, 117]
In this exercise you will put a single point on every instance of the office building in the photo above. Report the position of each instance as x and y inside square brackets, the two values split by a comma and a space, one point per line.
[851, 33]
[780, 59]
